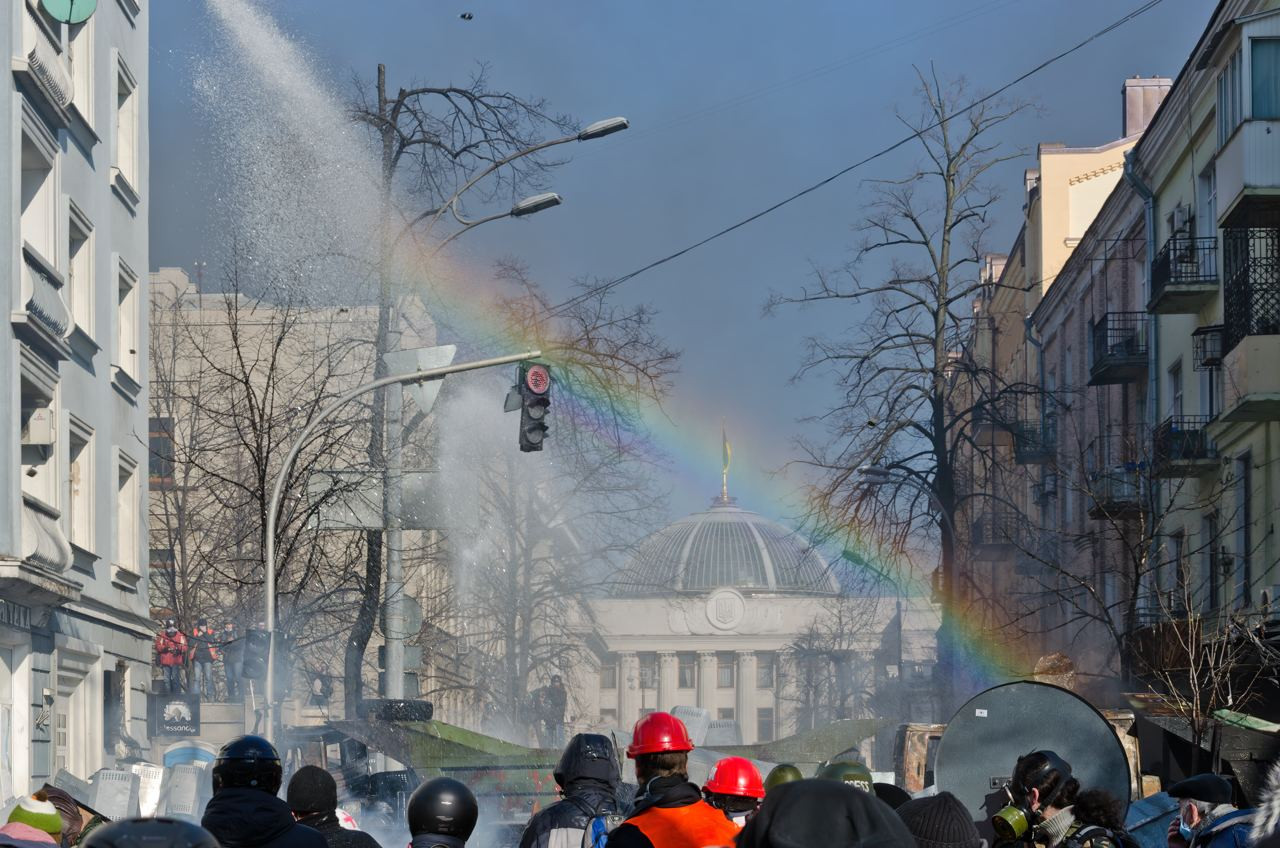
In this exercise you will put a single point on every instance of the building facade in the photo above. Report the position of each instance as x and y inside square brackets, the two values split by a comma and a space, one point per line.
[728, 612]
[75, 638]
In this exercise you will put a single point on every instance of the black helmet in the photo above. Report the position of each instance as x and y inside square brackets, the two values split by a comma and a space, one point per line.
[248, 761]
[443, 807]
[150, 833]
[588, 755]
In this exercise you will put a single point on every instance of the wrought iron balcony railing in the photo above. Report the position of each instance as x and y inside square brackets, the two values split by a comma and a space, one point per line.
[1184, 275]
[1118, 350]
[1181, 447]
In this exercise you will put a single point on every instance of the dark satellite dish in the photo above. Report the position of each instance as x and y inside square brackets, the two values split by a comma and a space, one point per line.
[69, 11]
[986, 736]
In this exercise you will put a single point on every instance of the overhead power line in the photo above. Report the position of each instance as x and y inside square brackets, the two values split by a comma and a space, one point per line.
[617, 281]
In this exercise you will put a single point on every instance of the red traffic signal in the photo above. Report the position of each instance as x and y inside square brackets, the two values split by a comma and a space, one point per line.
[538, 379]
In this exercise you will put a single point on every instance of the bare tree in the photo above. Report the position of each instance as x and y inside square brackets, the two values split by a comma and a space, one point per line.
[902, 405]
[433, 140]
[235, 380]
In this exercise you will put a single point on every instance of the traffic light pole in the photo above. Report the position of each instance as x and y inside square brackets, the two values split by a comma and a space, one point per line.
[277, 492]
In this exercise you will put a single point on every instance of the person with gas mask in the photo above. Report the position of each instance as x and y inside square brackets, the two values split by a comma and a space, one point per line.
[1206, 817]
[1048, 808]
[736, 788]
[588, 775]
[244, 811]
[669, 811]
[441, 813]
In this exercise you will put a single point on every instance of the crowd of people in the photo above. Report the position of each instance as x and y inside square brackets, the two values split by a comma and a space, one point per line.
[841, 806]
[187, 662]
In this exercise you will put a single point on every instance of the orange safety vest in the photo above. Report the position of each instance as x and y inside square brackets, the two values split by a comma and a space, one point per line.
[695, 825]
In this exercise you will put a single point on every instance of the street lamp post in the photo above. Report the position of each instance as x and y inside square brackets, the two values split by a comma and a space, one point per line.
[392, 478]
[875, 475]
[277, 492]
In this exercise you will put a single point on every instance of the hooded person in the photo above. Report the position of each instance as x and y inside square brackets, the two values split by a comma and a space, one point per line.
[669, 811]
[244, 811]
[69, 809]
[588, 775]
[313, 797]
[830, 813]
[1266, 819]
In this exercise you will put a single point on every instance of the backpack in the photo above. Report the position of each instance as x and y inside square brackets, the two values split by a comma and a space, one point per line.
[1096, 836]
[599, 826]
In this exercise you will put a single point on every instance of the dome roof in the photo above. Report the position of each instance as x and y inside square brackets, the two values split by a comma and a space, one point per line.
[725, 547]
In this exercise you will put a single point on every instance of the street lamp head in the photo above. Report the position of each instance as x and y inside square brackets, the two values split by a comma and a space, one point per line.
[600, 129]
[874, 474]
[536, 204]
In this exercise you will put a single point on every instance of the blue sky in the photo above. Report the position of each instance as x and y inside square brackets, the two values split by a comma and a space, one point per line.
[733, 106]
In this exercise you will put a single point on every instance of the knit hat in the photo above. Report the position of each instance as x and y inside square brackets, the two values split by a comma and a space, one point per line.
[37, 812]
[312, 790]
[940, 821]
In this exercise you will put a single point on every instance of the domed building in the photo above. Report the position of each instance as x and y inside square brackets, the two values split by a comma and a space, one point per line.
[720, 609]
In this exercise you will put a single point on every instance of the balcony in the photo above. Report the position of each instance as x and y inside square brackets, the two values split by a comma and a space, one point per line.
[1115, 475]
[1206, 347]
[993, 421]
[43, 73]
[1184, 275]
[43, 316]
[1251, 380]
[1118, 350]
[1039, 562]
[1034, 442]
[993, 534]
[1181, 447]
[1251, 272]
[1247, 162]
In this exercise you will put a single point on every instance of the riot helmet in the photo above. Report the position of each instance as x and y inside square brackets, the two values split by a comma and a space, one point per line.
[249, 762]
[855, 774]
[442, 807]
[780, 774]
[591, 756]
[150, 833]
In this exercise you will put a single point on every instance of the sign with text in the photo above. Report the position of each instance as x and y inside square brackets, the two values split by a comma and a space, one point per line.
[175, 715]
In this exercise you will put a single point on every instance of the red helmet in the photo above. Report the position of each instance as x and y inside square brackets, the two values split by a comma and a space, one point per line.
[735, 776]
[659, 732]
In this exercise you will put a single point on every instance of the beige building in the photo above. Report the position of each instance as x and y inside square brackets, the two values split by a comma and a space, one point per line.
[723, 610]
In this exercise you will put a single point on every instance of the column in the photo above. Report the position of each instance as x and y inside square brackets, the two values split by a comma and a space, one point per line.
[667, 680]
[745, 708]
[628, 689]
[707, 681]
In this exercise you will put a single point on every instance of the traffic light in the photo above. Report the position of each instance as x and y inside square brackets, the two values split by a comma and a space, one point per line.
[534, 385]
[255, 654]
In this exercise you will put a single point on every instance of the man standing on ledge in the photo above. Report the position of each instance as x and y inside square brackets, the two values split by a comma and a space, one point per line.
[669, 811]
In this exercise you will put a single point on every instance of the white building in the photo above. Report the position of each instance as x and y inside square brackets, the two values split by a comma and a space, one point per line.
[74, 632]
[715, 611]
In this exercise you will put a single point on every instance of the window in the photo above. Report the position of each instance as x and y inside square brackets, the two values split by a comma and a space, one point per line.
[1207, 219]
[6, 719]
[687, 675]
[37, 422]
[1243, 576]
[80, 268]
[80, 497]
[1229, 112]
[80, 55]
[127, 321]
[1265, 74]
[724, 714]
[127, 518]
[765, 669]
[1175, 389]
[161, 559]
[161, 450]
[1212, 560]
[648, 671]
[39, 207]
[126, 149]
[609, 674]
[1175, 587]
[724, 671]
[765, 731]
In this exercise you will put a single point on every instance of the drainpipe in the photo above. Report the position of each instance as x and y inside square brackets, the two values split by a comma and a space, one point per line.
[1153, 338]
[1144, 191]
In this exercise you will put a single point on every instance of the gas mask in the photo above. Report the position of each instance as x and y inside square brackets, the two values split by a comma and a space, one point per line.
[1017, 820]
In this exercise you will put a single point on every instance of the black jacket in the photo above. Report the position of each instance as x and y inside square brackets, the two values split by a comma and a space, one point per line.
[326, 824]
[829, 813]
[583, 801]
[250, 818]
